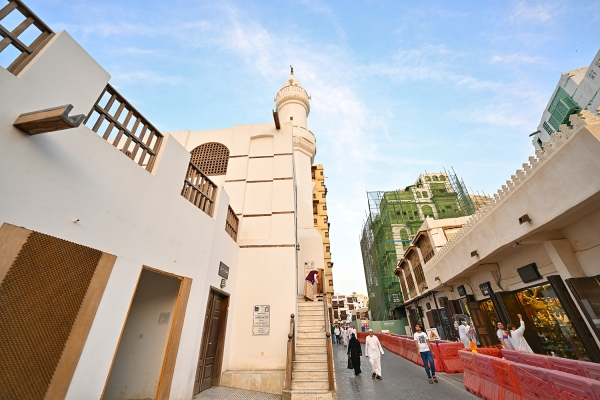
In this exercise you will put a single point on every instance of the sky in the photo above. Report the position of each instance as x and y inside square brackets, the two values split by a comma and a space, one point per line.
[398, 88]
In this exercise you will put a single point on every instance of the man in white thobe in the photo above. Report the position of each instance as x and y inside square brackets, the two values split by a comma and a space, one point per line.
[374, 351]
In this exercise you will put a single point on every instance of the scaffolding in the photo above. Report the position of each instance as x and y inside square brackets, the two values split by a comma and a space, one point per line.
[392, 221]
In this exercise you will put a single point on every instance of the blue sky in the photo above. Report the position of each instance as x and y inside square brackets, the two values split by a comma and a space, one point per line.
[397, 87]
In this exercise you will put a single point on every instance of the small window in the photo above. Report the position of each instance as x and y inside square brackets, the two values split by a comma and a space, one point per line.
[425, 194]
[325, 219]
[418, 194]
[435, 178]
[539, 142]
[327, 249]
[428, 179]
[442, 178]
[324, 207]
[315, 221]
[403, 212]
[323, 195]
[443, 211]
[327, 234]
[331, 284]
[321, 173]
[291, 118]
[448, 207]
[322, 183]
[329, 264]
[397, 212]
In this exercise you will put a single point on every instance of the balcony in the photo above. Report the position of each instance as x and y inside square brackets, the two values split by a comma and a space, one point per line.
[200, 190]
[232, 224]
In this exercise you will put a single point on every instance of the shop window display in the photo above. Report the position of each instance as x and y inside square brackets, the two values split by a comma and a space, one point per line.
[547, 317]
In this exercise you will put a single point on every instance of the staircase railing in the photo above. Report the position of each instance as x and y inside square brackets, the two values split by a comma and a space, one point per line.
[329, 346]
[291, 353]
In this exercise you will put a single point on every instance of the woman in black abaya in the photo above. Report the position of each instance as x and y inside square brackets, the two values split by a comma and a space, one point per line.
[355, 352]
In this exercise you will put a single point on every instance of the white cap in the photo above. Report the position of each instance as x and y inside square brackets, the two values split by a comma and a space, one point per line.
[370, 330]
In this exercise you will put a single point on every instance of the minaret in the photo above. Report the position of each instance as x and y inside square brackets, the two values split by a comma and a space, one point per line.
[292, 102]
[293, 107]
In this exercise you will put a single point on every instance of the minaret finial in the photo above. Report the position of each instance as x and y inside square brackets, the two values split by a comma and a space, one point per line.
[292, 68]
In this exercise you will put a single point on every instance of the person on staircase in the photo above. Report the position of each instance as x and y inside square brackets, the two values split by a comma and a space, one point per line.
[309, 285]
[355, 352]
[374, 351]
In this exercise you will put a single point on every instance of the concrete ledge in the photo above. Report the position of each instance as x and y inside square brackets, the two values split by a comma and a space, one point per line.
[258, 381]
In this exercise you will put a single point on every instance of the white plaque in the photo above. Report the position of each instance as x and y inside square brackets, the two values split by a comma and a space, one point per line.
[262, 320]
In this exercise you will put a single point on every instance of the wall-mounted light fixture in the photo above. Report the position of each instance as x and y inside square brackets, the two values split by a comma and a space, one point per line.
[524, 218]
[474, 253]
[223, 283]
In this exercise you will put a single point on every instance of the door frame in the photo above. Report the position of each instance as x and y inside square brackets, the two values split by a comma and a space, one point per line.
[216, 381]
[168, 365]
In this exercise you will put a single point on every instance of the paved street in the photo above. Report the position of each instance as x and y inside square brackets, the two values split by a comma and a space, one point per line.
[401, 380]
[227, 393]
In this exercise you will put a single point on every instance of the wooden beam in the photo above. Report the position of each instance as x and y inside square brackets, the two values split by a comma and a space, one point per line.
[276, 118]
[48, 120]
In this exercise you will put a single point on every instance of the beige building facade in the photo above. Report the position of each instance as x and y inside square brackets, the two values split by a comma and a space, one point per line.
[533, 250]
[321, 221]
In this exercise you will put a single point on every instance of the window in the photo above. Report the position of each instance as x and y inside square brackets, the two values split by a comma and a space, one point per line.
[329, 264]
[325, 219]
[428, 179]
[547, 128]
[442, 178]
[425, 194]
[435, 178]
[323, 195]
[561, 107]
[324, 207]
[443, 211]
[331, 282]
[327, 249]
[592, 75]
[448, 207]
[397, 212]
[321, 173]
[418, 194]
[315, 221]
[539, 142]
[403, 212]
[327, 234]
[322, 183]
[598, 62]
[211, 158]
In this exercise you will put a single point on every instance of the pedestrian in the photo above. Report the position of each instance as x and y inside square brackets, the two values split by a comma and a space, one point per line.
[346, 335]
[374, 351]
[424, 348]
[309, 282]
[516, 336]
[332, 328]
[336, 333]
[352, 332]
[355, 352]
[463, 332]
[505, 340]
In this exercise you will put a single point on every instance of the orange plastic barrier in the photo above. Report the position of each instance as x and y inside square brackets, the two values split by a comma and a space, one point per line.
[533, 382]
[566, 365]
[511, 355]
[362, 336]
[568, 386]
[438, 360]
[403, 349]
[490, 388]
[490, 351]
[449, 353]
[536, 360]
[412, 352]
[471, 379]
[509, 387]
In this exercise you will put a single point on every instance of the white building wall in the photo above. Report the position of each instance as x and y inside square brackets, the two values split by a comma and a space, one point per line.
[59, 177]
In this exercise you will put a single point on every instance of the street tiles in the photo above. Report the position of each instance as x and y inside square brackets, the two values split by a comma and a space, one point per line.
[227, 393]
[401, 380]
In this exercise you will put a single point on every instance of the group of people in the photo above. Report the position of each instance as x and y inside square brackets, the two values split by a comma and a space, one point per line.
[512, 338]
[341, 334]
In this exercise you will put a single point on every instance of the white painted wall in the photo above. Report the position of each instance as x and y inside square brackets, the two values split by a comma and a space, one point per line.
[56, 178]
[136, 371]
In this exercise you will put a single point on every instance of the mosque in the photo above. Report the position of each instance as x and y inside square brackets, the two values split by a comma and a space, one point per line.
[142, 264]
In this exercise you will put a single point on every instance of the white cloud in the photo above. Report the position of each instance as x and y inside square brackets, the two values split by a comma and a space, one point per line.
[524, 11]
[515, 59]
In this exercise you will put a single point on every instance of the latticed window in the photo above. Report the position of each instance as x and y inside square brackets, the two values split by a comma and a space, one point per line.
[548, 128]
[211, 158]
[561, 107]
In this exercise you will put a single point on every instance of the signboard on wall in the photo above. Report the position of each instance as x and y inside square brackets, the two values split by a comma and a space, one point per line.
[223, 271]
[395, 298]
[262, 320]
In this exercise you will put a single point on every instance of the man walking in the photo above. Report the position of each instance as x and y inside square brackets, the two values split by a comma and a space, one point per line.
[424, 348]
[373, 352]
[336, 334]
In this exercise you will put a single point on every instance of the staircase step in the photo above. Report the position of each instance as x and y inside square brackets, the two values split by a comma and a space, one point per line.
[318, 317]
[316, 347]
[310, 374]
[313, 356]
[309, 365]
[311, 334]
[321, 341]
[310, 383]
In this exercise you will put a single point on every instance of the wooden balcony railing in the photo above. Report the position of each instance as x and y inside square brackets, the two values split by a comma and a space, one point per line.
[199, 190]
[291, 353]
[232, 223]
[330, 374]
[13, 39]
[119, 123]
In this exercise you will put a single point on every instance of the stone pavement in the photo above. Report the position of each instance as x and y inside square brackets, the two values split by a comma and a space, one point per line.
[402, 380]
[227, 393]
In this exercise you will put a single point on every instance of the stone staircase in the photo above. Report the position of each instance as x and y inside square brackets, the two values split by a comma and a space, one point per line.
[309, 371]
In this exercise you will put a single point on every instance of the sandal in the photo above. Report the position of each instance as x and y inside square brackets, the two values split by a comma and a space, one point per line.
[431, 381]
[435, 379]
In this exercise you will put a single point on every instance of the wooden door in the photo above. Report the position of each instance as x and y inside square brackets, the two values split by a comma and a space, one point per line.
[481, 326]
[212, 337]
[321, 279]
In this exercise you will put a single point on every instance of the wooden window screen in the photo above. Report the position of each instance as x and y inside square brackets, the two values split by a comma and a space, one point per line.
[120, 124]
[40, 299]
[232, 223]
[11, 38]
[199, 190]
[424, 243]
[411, 285]
[211, 158]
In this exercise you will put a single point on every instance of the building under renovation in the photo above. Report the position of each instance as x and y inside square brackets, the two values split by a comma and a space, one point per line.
[393, 220]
